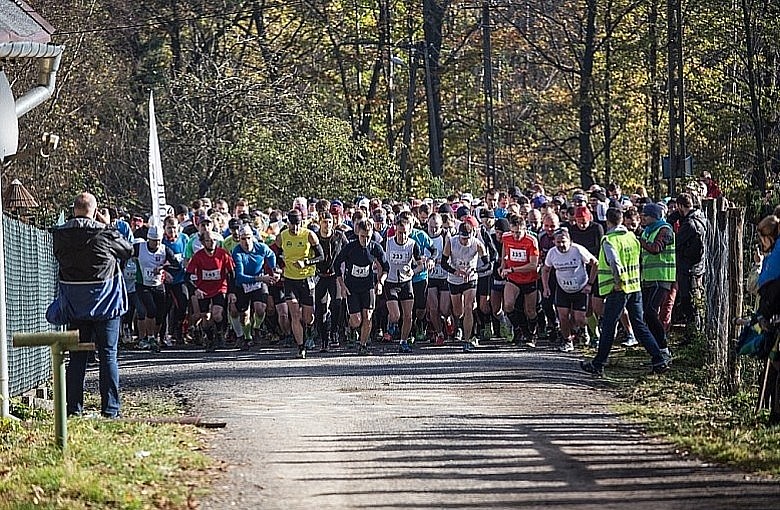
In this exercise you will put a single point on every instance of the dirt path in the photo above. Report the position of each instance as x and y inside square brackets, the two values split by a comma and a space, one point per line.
[438, 429]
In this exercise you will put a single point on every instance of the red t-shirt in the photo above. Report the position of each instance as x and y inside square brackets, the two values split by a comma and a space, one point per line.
[518, 253]
[211, 271]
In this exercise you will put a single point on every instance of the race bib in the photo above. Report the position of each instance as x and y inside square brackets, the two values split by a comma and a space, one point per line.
[570, 286]
[212, 275]
[438, 273]
[518, 255]
[397, 256]
[360, 271]
[251, 287]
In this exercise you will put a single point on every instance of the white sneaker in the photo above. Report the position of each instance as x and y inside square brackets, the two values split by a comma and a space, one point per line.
[566, 347]
[630, 342]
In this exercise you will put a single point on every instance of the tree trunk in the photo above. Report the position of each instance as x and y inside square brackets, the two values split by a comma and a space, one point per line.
[433, 16]
[758, 176]
[586, 162]
[654, 163]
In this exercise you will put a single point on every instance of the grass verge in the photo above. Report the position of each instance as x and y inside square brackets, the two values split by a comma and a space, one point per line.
[108, 464]
[683, 407]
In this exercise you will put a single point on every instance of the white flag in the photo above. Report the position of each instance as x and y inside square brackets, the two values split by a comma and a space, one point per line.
[156, 182]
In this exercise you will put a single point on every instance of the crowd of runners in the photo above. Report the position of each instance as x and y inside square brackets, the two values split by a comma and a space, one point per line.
[558, 270]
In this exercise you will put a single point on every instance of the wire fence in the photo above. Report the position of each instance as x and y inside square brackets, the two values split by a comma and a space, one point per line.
[30, 285]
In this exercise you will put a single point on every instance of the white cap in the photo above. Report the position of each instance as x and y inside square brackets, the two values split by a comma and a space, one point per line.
[364, 203]
[154, 233]
[246, 230]
[467, 196]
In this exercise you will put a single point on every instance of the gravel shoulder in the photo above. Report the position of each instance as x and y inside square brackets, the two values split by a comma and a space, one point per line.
[497, 428]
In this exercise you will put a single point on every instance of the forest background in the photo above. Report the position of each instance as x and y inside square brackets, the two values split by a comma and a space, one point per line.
[271, 99]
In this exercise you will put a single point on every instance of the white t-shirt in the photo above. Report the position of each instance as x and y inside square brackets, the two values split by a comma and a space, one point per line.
[570, 269]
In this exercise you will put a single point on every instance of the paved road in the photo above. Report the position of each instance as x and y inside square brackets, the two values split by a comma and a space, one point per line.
[498, 428]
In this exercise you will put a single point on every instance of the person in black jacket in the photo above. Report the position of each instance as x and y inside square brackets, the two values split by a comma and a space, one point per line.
[91, 298]
[328, 300]
[689, 251]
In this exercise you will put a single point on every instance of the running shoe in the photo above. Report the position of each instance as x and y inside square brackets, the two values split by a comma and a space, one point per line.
[439, 339]
[471, 345]
[404, 347]
[301, 352]
[566, 347]
[392, 330]
[630, 341]
[362, 350]
[505, 331]
[589, 367]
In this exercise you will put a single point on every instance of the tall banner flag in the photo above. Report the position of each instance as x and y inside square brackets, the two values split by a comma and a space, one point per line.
[156, 182]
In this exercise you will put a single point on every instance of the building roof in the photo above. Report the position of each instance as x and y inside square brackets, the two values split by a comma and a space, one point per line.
[16, 196]
[19, 22]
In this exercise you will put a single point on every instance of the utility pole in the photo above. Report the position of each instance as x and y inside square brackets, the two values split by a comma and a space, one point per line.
[676, 94]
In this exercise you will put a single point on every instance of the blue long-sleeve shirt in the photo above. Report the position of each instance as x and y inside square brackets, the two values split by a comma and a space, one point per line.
[251, 264]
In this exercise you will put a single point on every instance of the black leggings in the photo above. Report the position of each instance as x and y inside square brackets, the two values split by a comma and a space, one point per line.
[328, 317]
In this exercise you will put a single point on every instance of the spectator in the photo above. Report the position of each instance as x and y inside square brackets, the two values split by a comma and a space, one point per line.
[689, 250]
[92, 298]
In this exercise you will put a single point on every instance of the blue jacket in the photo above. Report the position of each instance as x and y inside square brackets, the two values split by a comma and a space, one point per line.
[91, 286]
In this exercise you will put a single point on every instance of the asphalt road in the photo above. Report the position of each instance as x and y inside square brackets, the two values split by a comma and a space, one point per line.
[498, 428]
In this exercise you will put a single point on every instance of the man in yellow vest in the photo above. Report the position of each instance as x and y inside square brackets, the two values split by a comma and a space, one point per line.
[659, 270]
[619, 283]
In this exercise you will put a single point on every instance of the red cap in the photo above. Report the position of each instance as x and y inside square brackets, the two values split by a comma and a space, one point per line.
[583, 212]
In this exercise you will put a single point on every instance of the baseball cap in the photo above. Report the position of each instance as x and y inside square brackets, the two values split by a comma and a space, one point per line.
[502, 225]
[486, 213]
[471, 220]
[181, 209]
[336, 207]
[463, 229]
[234, 223]
[154, 233]
[462, 211]
[205, 218]
[579, 197]
[582, 212]
[364, 203]
[467, 197]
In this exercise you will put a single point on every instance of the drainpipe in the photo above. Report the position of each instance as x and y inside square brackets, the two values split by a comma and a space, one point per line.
[49, 63]
[50, 56]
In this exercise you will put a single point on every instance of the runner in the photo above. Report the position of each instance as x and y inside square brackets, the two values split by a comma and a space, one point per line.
[301, 251]
[519, 266]
[485, 273]
[154, 258]
[460, 258]
[211, 270]
[176, 299]
[359, 281]
[255, 264]
[438, 302]
[570, 263]
[328, 298]
[402, 253]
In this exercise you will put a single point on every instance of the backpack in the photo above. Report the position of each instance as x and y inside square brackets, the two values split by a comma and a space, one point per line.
[754, 340]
